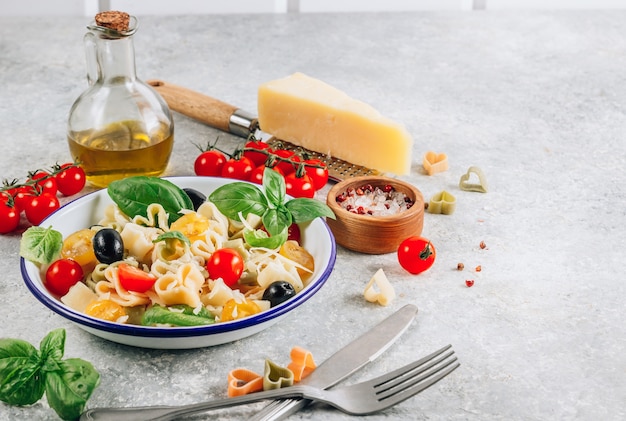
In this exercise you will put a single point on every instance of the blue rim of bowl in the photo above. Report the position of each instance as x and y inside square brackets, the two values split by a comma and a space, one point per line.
[178, 332]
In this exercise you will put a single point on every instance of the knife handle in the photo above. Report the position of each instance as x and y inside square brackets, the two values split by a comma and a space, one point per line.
[207, 110]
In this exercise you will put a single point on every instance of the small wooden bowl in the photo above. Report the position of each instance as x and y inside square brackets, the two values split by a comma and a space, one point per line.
[375, 234]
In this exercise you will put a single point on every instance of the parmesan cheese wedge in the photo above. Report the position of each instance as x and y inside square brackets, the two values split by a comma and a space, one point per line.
[312, 114]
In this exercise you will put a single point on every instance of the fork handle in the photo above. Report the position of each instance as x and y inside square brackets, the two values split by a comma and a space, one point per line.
[280, 409]
[163, 413]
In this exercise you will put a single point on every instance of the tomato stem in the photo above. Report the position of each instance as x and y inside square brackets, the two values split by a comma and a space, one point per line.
[426, 252]
[212, 147]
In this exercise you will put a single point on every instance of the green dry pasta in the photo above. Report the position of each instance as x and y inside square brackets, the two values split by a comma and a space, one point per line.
[275, 376]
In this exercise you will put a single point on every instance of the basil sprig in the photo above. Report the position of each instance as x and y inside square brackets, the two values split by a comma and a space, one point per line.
[26, 374]
[133, 195]
[271, 204]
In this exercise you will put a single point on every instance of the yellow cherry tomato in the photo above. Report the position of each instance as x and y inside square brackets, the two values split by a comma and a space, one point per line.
[105, 310]
[294, 251]
[79, 247]
[192, 225]
[233, 310]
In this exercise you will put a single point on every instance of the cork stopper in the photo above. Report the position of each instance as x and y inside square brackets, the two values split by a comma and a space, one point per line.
[113, 19]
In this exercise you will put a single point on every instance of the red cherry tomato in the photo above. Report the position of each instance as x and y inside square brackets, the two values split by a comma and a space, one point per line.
[240, 169]
[45, 182]
[9, 214]
[70, 179]
[226, 264]
[286, 161]
[40, 206]
[134, 279]
[63, 274]
[258, 158]
[22, 196]
[299, 186]
[256, 176]
[416, 254]
[293, 233]
[318, 172]
[209, 163]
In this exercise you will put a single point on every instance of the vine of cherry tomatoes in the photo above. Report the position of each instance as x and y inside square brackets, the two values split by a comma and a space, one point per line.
[37, 196]
[303, 176]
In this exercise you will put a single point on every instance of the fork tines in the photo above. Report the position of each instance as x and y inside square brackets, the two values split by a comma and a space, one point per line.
[411, 379]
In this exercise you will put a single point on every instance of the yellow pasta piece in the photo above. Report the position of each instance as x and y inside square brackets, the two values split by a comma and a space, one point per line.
[114, 218]
[435, 162]
[379, 289]
[183, 287]
[156, 217]
[138, 240]
[273, 271]
[442, 202]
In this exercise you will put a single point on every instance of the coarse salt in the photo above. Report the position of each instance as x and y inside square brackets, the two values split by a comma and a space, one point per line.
[369, 200]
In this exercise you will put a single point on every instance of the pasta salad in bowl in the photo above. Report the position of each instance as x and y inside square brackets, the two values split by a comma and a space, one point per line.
[179, 262]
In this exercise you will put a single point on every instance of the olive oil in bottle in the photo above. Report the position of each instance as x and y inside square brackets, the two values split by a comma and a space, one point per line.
[121, 149]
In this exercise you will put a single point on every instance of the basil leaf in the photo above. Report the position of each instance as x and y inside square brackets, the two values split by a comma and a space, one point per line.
[159, 315]
[172, 235]
[68, 389]
[274, 185]
[41, 245]
[233, 198]
[276, 220]
[20, 374]
[304, 209]
[52, 348]
[133, 195]
[260, 238]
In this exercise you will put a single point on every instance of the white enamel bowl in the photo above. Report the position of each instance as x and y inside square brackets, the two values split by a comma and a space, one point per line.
[87, 210]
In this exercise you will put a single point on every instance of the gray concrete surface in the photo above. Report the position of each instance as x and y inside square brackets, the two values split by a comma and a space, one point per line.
[537, 100]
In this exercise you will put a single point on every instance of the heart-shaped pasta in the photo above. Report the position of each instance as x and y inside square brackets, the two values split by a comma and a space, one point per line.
[276, 376]
[242, 381]
[435, 162]
[379, 289]
[302, 363]
[442, 202]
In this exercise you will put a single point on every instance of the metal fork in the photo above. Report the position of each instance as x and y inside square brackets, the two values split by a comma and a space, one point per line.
[357, 399]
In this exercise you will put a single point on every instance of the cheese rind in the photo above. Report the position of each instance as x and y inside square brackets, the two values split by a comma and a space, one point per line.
[312, 114]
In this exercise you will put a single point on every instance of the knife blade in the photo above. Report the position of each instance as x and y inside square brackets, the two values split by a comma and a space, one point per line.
[228, 118]
[345, 362]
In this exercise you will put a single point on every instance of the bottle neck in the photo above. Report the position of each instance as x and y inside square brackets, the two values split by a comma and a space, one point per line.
[116, 59]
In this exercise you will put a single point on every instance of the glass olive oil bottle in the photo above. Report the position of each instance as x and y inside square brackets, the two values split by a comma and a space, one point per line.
[119, 126]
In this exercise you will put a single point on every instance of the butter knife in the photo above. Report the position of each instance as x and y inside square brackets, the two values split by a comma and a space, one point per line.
[345, 362]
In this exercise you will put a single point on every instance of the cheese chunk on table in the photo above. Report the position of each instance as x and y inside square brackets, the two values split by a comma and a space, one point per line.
[312, 114]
